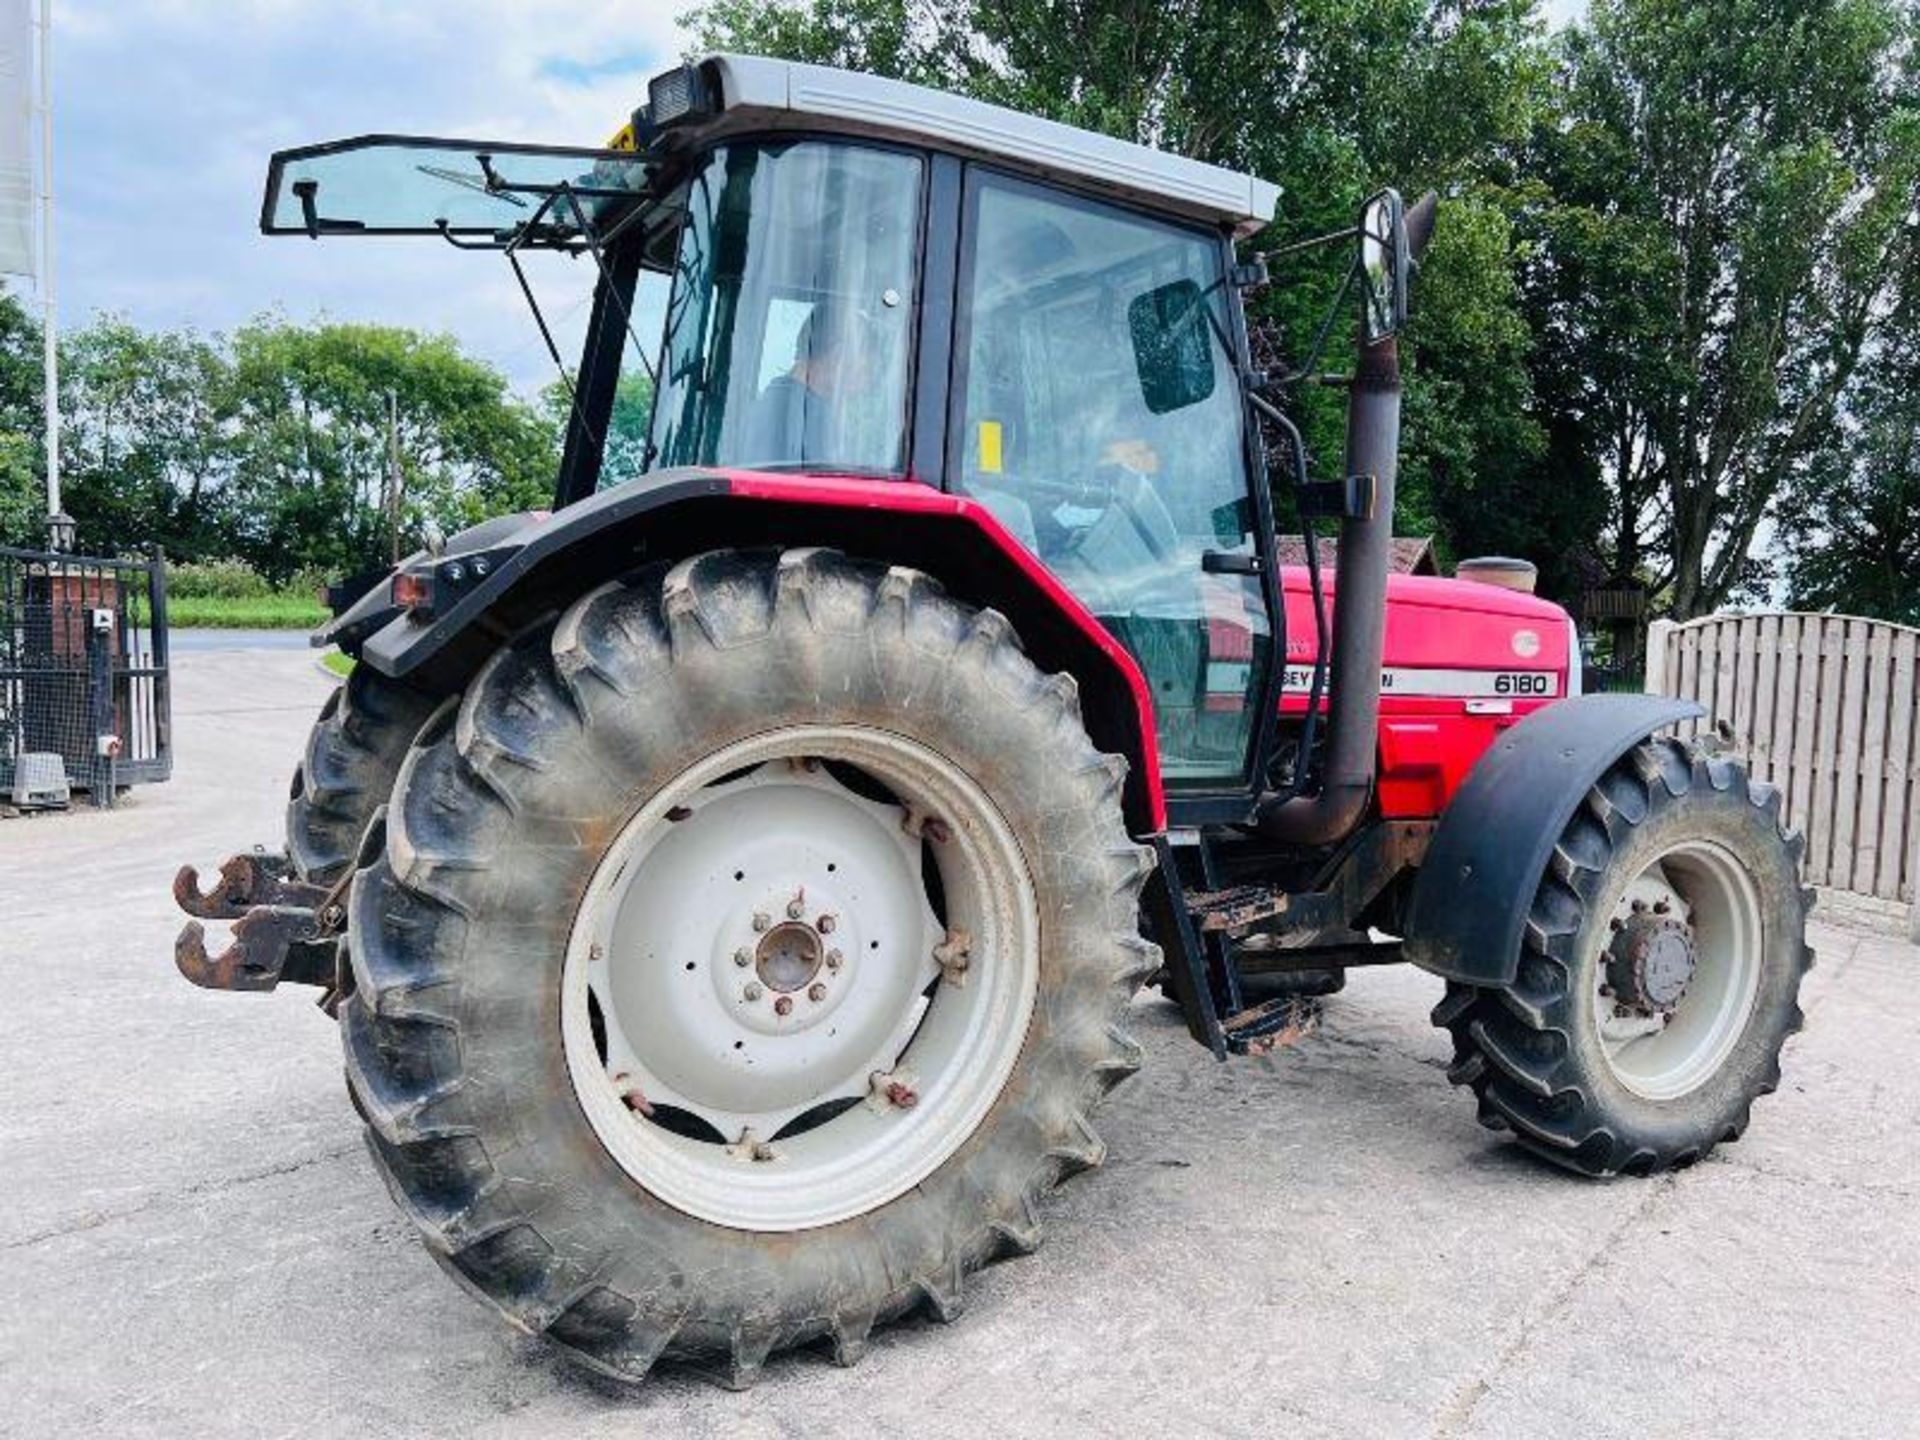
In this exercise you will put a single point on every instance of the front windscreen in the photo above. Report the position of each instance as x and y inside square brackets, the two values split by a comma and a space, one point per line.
[790, 324]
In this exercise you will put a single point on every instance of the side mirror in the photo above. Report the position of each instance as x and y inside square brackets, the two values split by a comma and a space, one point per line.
[1384, 266]
[1171, 350]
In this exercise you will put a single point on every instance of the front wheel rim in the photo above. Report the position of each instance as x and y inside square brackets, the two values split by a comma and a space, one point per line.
[800, 976]
[1657, 1044]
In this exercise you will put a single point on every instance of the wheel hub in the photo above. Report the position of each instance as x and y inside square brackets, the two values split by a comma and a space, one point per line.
[1651, 962]
[789, 956]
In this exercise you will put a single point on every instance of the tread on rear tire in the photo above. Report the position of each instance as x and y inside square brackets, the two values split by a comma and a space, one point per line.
[453, 1028]
[354, 753]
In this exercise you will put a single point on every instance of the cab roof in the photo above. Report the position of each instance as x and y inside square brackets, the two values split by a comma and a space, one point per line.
[756, 94]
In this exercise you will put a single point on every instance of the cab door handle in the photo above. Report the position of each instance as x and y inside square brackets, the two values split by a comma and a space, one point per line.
[1230, 562]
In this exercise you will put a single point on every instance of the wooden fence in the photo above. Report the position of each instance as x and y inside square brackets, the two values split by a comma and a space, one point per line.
[1825, 708]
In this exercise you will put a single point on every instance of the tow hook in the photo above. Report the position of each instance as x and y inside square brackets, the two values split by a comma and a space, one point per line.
[247, 880]
[283, 928]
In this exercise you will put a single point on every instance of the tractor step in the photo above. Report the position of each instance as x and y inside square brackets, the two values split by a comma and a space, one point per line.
[1237, 909]
[283, 928]
[1280, 1021]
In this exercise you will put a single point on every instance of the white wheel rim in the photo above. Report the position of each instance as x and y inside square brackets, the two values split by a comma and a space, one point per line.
[1667, 1054]
[757, 877]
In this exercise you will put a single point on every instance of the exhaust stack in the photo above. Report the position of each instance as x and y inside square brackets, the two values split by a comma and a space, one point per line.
[1360, 610]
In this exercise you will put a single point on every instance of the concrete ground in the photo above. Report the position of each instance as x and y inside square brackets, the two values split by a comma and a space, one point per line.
[1322, 1242]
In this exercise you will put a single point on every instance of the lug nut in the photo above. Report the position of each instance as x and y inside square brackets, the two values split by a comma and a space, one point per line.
[1661, 907]
[753, 990]
[816, 992]
[743, 957]
[797, 906]
[897, 1089]
[835, 959]
[761, 920]
[825, 924]
[783, 1006]
[953, 956]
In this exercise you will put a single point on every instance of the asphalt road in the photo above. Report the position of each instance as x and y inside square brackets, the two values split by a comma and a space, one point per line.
[1319, 1243]
[182, 642]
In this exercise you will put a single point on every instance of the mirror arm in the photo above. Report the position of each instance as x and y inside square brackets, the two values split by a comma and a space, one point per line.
[1305, 371]
[1312, 242]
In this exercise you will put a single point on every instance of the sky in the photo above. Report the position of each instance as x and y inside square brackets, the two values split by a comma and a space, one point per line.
[166, 112]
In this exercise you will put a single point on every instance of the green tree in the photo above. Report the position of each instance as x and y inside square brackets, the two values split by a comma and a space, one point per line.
[311, 457]
[1851, 529]
[23, 505]
[1722, 192]
[147, 438]
[625, 454]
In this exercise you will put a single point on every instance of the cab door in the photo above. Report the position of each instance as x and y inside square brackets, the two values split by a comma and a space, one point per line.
[1097, 413]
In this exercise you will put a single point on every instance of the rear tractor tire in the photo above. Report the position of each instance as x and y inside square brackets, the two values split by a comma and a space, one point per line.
[748, 952]
[353, 757]
[1659, 972]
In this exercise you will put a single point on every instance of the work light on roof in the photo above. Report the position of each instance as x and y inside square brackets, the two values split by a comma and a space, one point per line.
[677, 95]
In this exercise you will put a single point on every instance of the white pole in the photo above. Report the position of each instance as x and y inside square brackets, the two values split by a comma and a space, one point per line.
[50, 319]
[1658, 635]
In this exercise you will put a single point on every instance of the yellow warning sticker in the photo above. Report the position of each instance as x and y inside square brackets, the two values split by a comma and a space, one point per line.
[990, 447]
[624, 138]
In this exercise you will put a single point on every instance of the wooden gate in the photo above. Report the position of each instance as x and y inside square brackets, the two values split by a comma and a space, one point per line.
[1825, 708]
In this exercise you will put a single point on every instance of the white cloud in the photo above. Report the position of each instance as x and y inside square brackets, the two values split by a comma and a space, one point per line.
[166, 112]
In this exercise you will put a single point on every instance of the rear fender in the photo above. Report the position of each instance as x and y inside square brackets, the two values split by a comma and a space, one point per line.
[1478, 879]
[550, 560]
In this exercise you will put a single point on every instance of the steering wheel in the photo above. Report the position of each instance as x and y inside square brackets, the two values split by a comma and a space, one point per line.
[1111, 488]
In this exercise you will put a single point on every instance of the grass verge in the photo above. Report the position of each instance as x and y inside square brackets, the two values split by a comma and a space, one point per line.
[257, 612]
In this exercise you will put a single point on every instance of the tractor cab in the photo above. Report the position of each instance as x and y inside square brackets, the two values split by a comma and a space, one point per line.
[858, 285]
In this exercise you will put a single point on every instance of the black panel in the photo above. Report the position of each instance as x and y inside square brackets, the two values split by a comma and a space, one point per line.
[598, 379]
[933, 356]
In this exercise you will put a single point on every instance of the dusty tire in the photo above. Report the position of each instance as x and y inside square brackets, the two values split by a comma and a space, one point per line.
[354, 752]
[459, 937]
[1543, 1056]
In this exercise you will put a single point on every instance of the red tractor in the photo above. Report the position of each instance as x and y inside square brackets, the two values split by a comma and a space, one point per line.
[731, 885]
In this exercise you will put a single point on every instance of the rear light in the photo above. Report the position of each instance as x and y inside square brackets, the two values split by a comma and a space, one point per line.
[413, 592]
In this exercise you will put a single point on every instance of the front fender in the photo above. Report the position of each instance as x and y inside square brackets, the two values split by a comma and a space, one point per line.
[549, 561]
[1478, 879]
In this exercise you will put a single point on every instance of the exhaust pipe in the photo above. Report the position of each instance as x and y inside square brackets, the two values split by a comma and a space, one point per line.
[1360, 604]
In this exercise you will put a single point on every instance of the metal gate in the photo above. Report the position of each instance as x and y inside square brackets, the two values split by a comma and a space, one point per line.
[83, 673]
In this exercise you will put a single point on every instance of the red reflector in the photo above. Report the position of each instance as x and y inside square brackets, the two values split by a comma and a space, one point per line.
[412, 592]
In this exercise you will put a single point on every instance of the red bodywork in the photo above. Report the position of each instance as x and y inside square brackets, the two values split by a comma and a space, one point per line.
[1463, 661]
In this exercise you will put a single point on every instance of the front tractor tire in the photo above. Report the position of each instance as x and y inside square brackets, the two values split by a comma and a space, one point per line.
[749, 949]
[1659, 973]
